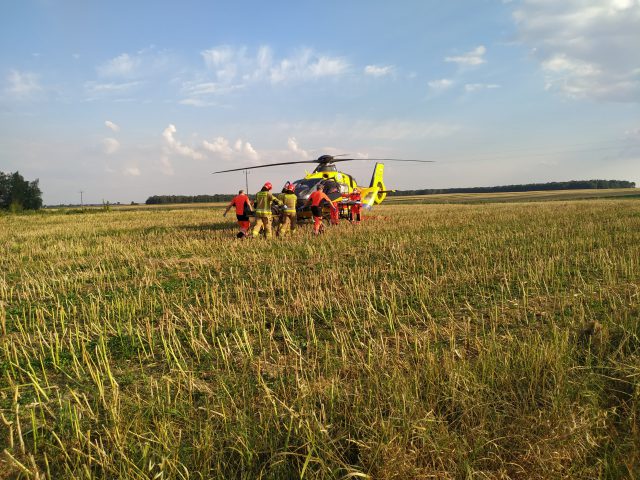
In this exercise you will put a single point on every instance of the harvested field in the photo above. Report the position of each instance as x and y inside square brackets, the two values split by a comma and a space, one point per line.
[442, 341]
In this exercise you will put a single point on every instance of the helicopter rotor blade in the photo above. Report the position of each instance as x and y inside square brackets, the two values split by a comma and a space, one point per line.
[383, 160]
[263, 166]
[324, 160]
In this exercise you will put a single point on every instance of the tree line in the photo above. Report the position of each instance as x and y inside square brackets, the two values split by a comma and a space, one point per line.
[528, 187]
[166, 199]
[16, 193]
[570, 185]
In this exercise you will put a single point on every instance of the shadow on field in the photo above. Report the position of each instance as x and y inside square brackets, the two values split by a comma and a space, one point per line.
[203, 227]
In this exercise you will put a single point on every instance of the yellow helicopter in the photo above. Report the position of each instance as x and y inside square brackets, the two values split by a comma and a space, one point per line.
[337, 185]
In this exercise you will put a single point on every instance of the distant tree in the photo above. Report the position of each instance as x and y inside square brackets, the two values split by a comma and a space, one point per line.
[166, 199]
[4, 190]
[18, 193]
[570, 185]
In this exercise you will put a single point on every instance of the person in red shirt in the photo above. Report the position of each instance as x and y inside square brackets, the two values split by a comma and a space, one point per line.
[243, 207]
[315, 200]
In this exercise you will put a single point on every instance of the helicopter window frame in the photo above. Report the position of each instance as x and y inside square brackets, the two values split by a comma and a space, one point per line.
[307, 183]
[350, 178]
[331, 186]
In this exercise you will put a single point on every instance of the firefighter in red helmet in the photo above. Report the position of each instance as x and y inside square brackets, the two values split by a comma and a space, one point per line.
[264, 199]
[289, 217]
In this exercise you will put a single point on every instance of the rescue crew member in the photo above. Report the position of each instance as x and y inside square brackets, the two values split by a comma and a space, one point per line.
[243, 207]
[289, 218]
[356, 207]
[316, 199]
[280, 197]
[264, 199]
[335, 216]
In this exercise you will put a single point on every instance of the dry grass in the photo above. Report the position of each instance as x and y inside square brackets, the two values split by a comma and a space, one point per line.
[432, 341]
[532, 196]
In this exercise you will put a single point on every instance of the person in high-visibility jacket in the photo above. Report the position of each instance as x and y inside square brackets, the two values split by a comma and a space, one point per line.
[315, 200]
[289, 217]
[280, 196]
[264, 199]
[356, 207]
[243, 208]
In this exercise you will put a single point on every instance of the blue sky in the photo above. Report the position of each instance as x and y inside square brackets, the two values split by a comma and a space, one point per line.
[124, 100]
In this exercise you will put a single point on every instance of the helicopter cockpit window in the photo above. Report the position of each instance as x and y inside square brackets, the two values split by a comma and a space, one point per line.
[332, 189]
[305, 187]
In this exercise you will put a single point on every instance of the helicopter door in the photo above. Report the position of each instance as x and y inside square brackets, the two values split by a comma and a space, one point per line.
[332, 189]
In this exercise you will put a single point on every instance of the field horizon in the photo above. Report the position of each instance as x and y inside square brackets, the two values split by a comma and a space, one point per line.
[496, 197]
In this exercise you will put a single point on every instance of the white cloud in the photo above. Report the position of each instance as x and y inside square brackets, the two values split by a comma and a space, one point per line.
[292, 143]
[245, 149]
[240, 149]
[326, 67]
[474, 87]
[22, 84]
[249, 151]
[378, 70]
[561, 64]
[440, 85]
[306, 65]
[586, 48]
[469, 59]
[110, 88]
[220, 145]
[234, 68]
[109, 124]
[199, 89]
[221, 56]
[131, 171]
[111, 145]
[123, 65]
[178, 147]
[143, 63]
[236, 65]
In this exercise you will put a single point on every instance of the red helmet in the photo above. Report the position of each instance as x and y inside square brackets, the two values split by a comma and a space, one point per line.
[268, 186]
[292, 187]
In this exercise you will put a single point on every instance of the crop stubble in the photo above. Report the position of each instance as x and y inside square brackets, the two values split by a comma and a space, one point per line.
[431, 341]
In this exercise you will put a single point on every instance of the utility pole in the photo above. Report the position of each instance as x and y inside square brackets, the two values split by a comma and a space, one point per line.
[81, 202]
[246, 181]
